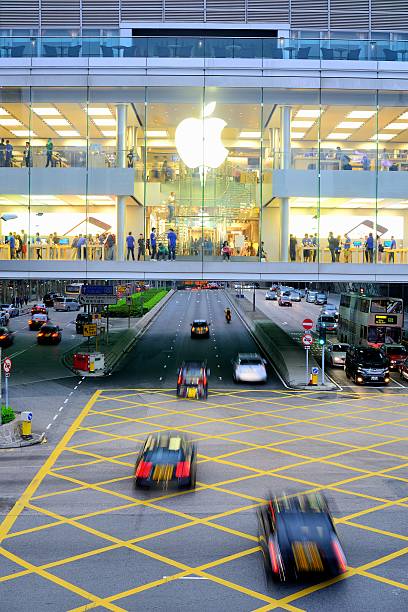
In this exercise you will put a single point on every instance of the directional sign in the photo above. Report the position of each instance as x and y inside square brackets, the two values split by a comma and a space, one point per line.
[90, 329]
[307, 340]
[7, 365]
[98, 290]
[307, 324]
[98, 300]
[315, 371]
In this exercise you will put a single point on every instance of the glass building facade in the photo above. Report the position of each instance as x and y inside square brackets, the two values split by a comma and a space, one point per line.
[241, 173]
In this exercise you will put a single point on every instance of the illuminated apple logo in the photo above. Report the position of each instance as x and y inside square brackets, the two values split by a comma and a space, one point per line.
[199, 143]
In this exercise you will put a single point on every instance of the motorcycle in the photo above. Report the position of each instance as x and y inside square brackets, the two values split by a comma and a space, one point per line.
[228, 316]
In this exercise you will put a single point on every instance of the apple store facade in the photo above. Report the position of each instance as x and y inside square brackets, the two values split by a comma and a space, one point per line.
[283, 170]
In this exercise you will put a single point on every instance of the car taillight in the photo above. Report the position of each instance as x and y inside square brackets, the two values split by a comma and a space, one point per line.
[183, 469]
[206, 329]
[3, 337]
[54, 335]
[204, 380]
[30, 321]
[179, 379]
[274, 560]
[143, 469]
[40, 334]
[339, 555]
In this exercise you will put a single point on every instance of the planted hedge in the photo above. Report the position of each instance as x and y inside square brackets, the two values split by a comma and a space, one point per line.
[141, 303]
[7, 415]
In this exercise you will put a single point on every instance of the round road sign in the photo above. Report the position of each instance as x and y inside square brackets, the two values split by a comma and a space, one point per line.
[307, 324]
[7, 365]
[307, 340]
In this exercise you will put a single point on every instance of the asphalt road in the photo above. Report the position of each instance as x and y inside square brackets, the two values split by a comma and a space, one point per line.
[82, 538]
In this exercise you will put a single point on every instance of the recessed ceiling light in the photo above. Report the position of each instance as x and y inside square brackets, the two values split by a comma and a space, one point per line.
[309, 112]
[10, 122]
[3, 111]
[338, 136]
[242, 134]
[156, 133]
[297, 134]
[56, 122]
[99, 112]
[346, 125]
[382, 136]
[361, 114]
[396, 126]
[105, 122]
[23, 133]
[301, 124]
[109, 133]
[49, 110]
[67, 133]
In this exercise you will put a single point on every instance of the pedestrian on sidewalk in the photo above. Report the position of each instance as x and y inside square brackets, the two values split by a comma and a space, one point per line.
[172, 238]
[130, 244]
[153, 243]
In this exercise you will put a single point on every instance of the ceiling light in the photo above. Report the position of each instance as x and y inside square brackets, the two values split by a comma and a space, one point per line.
[346, 125]
[3, 111]
[67, 133]
[403, 116]
[46, 111]
[10, 122]
[309, 112]
[250, 134]
[109, 133]
[338, 136]
[302, 124]
[99, 112]
[56, 122]
[42, 197]
[156, 133]
[361, 114]
[23, 133]
[103, 122]
[382, 136]
[367, 200]
[297, 134]
[396, 126]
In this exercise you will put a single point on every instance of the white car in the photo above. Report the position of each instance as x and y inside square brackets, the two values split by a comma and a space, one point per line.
[249, 367]
[11, 310]
[294, 296]
[67, 304]
[335, 354]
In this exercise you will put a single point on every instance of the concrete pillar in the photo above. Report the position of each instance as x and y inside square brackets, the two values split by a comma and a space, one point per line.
[286, 112]
[121, 110]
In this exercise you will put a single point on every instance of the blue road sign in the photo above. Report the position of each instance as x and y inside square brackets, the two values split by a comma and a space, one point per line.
[315, 370]
[98, 290]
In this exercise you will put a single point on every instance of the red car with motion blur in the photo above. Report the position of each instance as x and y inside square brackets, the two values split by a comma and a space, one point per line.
[396, 355]
[192, 380]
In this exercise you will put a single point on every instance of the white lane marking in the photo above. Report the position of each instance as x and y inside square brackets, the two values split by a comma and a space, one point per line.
[71, 393]
[398, 383]
[76, 387]
[54, 417]
[65, 400]
[165, 366]
[61, 408]
[161, 378]
[48, 426]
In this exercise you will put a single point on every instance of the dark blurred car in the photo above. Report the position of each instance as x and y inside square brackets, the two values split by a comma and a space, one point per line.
[49, 334]
[327, 322]
[39, 309]
[166, 458]
[285, 301]
[6, 337]
[200, 329]
[192, 380]
[366, 365]
[37, 321]
[81, 320]
[396, 355]
[271, 295]
[50, 298]
[330, 309]
[404, 370]
[298, 538]
[321, 299]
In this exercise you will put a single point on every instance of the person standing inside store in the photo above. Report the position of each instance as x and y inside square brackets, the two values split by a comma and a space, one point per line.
[49, 150]
[393, 246]
[130, 245]
[9, 153]
[380, 249]
[12, 245]
[292, 247]
[171, 202]
[24, 243]
[110, 246]
[81, 243]
[2, 153]
[153, 243]
[38, 246]
[172, 238]
[337, 247]
[74, 247]
[346, 247]
[27, 155]
[306, 242]
[369, 248]
[140, 248]
[314, 245]
[225, 251]
[331, 241]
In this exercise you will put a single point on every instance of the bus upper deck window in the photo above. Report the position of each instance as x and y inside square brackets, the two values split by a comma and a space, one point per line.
[395, 306]
[379, 305]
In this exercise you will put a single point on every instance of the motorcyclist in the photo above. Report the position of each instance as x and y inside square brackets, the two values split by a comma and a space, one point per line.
[228, 315]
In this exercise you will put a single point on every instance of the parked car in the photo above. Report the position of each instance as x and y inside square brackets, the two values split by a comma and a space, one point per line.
[327, 322]
[271, 295]
[67, 304]
[335, 354]
[396, 355]
[321, 298]
[366, 365]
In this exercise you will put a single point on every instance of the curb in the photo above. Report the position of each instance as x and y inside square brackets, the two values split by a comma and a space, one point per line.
[35, 439]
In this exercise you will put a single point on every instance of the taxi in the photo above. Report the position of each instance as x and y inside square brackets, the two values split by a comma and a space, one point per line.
[37, 321]
[200, 329]
[192, 380]
[49, 334]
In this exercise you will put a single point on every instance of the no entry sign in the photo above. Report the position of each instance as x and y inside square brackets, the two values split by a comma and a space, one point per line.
[307, 340]
[7, 365]
[307, 324]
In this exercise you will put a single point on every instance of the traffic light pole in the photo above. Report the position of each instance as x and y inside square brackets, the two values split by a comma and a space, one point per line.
[323, 365]
[307, 365]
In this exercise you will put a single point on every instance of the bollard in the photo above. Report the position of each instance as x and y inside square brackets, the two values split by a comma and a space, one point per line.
[315, 379]
[26, 418]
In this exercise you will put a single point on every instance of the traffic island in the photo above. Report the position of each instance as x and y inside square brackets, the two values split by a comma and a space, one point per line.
[16, 433]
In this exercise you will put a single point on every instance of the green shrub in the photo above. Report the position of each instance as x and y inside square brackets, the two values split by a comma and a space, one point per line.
[141, 302]
[7, 415]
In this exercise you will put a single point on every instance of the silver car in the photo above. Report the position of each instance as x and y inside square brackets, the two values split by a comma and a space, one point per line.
[249, 367]
[294, 296]
[335, 354]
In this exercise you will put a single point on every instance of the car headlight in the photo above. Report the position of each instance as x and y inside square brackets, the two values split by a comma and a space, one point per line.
[361, 370]
[337, 359]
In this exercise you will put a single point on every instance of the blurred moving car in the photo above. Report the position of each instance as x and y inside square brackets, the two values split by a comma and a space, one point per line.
[10, 309]
[330, 309]
[396, 355]
[294, 296]
[298, 538]
[6, 337]
[50, 298]
[200, 329]
[271, 295]
[404, 370]
[37, 321]
[284, 301]
[311, 297]
[336, 354]
[192, 380]
[49, 334]
[39, 309]
[321, 298]
[302, 293]
[327, 322]
[366, 365]
[249, 367]
[67, 304]
[82, 319]
[166, 458]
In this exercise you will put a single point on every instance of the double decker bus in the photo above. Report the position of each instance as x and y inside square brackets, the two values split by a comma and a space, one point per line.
[370, 321]
[73, 289]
